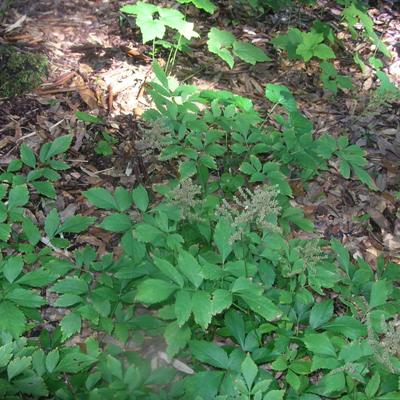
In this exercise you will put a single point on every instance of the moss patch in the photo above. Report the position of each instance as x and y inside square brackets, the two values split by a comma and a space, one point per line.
[20, 71]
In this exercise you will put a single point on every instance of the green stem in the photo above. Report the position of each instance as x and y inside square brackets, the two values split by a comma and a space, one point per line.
[154, 50]
[175, 52]
[167, 66]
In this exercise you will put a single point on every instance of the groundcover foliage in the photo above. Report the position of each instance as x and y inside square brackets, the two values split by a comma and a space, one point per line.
[250, 310]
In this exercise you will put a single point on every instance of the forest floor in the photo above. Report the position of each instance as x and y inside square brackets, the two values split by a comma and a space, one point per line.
[99, 66]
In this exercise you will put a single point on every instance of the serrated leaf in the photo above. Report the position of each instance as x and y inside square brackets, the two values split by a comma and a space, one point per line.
[293, 380]
[133, 248]
[25, 298]
[6, 353]
[203, 385]
[280, 364]
[235, 323]
[93, 378]
[249, 371]
[70, 285]
[27, 156]
[355, 350]
[301, 367]
[152, 291]
[140, 198]
[85, 117]
[176, 337]
[342, 254]
[123, 198]
[330, 384]
[219, 42]
[174, 19]
[365, 177]
[31, 231]
[190, 267]
[149, 27]
[247, 168]
[13, 267]
[58, 146]
[209, 353]
[289, 42]
[202, 308]
[37, 278]
[160, 74]
[52, 359]
[12, 319]
[31, 385]
[280, 94]
[67, 300]
[344, 168]
[58, 165]
[74, 363]
[45, 188]
[321, 313]
[183, 306]
[347, 326]
[221, 300]
[274, 395]
[17, 366]
[51, 223]
[76, 224]
[101, 198]
[139, 8]
[261, 305]
[323, 52]
[5, 232]
[70, 325]
[116, 223]
[249, 53]
[205, 5]
[147, 233]
[379, 294]
[187, 169]
[14, 165]
[319, 343]
[222, 234]
[18, 196]
[114, 367]
[169, 271]
[373, 385]
[38, 365]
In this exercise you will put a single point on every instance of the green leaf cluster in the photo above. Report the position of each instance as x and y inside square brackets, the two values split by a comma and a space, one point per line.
[153, 21]
[304, 45]
[225, 45]
[209, 264]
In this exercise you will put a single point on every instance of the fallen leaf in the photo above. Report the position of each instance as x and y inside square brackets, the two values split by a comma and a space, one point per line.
[87, 95]
[16, 24]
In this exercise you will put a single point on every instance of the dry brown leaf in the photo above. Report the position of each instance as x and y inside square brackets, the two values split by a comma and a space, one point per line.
[6, 141]
[18, 23]
[135, 53]
[87, 95]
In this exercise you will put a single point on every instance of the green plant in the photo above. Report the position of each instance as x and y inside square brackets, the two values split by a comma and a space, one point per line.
[104, 147]
[223, 43]
[154, 20]
[385, 94]
[205, 5]
[354, 13]
[304, 45]
[213, 262]
[21, 71]
[332, 80]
